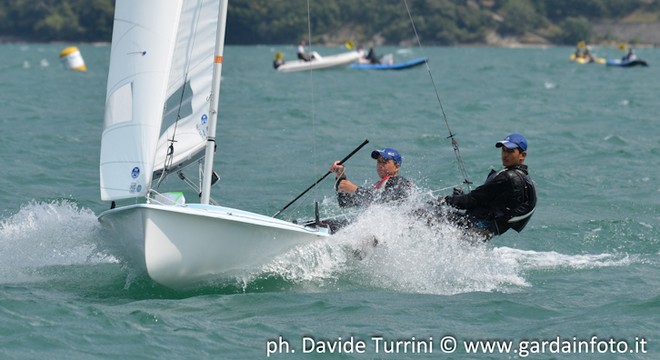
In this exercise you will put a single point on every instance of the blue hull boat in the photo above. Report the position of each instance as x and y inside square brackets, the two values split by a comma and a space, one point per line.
[396, 66]
[619, 62]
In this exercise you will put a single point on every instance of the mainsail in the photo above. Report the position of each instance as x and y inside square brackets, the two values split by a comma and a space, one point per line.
[157, 93]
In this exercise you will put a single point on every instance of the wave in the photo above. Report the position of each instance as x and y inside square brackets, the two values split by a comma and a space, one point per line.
[386, 248]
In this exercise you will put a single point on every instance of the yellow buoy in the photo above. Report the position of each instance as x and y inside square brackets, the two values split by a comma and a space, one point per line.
[72, 59]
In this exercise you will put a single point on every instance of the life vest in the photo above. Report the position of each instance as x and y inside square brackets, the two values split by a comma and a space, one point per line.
[525, 191]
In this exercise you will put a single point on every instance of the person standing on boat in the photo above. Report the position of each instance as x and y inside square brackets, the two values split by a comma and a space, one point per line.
[390, 186]
[631, 56]
[302, 55]
[505, 201]
[372, 57]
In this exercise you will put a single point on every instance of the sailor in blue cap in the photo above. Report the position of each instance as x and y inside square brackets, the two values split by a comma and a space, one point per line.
[505, 201]
[389, 187]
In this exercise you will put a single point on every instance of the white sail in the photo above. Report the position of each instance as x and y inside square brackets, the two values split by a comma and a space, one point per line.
[164, 84]
[190, 76]
[161, 58]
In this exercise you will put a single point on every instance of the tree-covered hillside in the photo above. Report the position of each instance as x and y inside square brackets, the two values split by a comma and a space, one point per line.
[438, 22]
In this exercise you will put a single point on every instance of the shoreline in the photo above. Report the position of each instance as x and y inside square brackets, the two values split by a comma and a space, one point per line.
[507, 43]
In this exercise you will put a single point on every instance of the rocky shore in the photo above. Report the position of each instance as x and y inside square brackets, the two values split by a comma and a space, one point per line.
[604, 34]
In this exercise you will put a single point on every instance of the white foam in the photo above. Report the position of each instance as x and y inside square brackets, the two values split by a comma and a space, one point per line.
[45, 234]
[413, 257]
[410, 256]
[534, 260]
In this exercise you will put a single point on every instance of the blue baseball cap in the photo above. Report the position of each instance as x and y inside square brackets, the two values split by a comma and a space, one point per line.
[513, 141]
[387, 153]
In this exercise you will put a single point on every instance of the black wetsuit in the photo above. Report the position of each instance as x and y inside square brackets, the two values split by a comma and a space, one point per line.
[393, 188]
[505, 201]
[371, 56]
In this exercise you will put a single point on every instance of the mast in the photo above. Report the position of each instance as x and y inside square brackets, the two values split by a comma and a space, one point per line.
[213, 105]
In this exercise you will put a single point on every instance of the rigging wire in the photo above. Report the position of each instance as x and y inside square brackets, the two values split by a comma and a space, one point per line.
[313, 99]
[169, 156]
[311, 75]
[452, 136]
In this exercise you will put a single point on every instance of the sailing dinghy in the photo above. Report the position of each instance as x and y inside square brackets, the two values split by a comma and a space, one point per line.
[161, 113]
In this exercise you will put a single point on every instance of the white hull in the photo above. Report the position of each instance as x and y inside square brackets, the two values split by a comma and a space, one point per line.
[184, 246]
[320, 63]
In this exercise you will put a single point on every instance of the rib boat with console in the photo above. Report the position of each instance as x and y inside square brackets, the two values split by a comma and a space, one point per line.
[319, 62]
